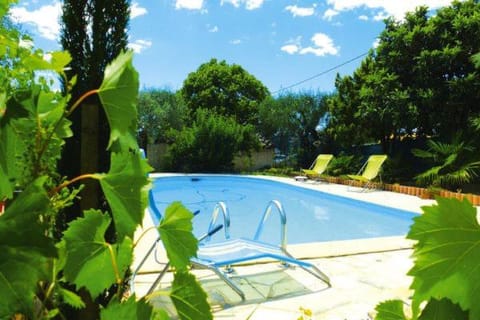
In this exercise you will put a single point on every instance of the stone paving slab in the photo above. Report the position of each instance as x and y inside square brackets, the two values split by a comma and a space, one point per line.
[359, 283]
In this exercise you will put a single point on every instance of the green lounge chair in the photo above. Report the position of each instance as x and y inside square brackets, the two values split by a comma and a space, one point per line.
[319, 166]
[369, 171]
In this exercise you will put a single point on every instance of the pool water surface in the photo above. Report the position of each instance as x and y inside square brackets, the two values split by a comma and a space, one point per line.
[312, 215]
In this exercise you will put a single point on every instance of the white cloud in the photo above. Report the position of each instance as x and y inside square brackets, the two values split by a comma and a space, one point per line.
[329, 14]
[322, 45]
[140, 45]
[45, 19]
[137, 11]
[397, 9]
[299, 11]
[235, 3]
[382, 15]
[253, 4]
[236, 42]
[212, 29]
[189, 4]
[363, 17]
[290, 48]
[249, 4]
[376, 43]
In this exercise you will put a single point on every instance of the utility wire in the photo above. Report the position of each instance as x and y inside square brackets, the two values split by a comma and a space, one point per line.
[321, 73]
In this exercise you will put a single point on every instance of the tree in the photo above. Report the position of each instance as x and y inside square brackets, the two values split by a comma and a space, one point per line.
[274, 123]
[290, 122]
[420, 80]
[228, 90]
[159, 111]
[431, 56]
[209, 144]
[17, 47]
[94, 32]
[343, 124]
[385, 111]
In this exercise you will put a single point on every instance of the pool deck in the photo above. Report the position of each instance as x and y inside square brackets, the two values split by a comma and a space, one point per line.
[362, 272]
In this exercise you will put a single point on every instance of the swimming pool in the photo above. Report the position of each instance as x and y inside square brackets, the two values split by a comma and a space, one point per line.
[312, 215]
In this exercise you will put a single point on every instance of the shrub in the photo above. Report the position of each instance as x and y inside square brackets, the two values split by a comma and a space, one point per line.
[452, 164]
[343, 164]
[209, 145]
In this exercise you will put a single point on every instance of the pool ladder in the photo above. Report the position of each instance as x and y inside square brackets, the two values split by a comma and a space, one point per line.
[283, 222]
[219, 207]
[222, 207]
[212, 229]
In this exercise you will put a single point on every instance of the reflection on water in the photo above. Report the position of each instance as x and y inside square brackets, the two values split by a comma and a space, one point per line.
[321, 213]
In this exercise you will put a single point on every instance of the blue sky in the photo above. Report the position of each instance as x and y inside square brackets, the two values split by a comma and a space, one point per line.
[280, 42]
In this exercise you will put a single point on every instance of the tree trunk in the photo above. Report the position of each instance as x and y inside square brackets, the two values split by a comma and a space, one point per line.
[89, 155]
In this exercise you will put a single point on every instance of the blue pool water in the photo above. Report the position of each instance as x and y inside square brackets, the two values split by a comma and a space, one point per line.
[311, 215]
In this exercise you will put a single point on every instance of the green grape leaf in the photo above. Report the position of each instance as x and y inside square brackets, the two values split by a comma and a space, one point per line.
[390, 310]
[11, 146]
[36, 61]
[59, 60]
[118, 94]
[189, 298]
[130, 309]
[447, 255]
[125, 187]
[176, 233]
[5, 5]
[91, 262]
[71, 298]
[160, 314]
[3, 102]
[51, 110]
[443, 310]
[6, 188]
[24, 250]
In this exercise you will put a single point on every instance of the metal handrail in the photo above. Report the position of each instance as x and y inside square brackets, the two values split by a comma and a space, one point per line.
[220, 206]
[283, 222]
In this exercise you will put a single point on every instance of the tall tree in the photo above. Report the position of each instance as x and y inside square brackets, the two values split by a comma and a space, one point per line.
[228, 90]
[289, 122]
[159, 111]
[431, 56]
[420, 80]
[94, 32]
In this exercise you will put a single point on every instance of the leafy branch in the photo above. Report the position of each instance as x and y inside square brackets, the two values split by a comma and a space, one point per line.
[445, 272]
[39, 274]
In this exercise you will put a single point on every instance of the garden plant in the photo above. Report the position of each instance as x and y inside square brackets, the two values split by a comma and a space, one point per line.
[445, 272]
[45, 274]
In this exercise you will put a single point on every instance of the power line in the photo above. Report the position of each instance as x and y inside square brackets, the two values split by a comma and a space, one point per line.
[321, 73]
